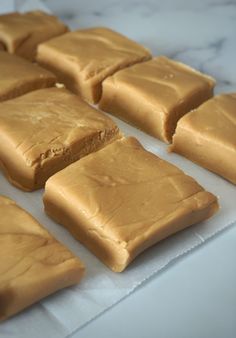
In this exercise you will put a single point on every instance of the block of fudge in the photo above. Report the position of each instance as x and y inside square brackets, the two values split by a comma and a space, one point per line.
[84, 58]
[18, 76]
[153, 95]
[207, 136]
[123, 199]
[20, 33]
[46, 130]
[33, 263]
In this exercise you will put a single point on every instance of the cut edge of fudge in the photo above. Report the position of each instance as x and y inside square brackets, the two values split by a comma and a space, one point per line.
[203, 149]
[89, 86]
[118, 254]
[163, 125]
[31, 174]
[44, 268]
[19, 46]
[40, 78]
[203, 96]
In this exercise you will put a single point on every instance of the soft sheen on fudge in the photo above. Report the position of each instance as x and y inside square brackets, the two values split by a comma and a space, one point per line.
[18, 76]
[154, 95]
[123, 199]
[207, 136]
[21, 33]
[83, 59]
[33, 263]
[44, 131]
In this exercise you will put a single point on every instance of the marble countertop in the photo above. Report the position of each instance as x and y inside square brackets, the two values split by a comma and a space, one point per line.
[203, 35]
[199, 33]
[196, 298]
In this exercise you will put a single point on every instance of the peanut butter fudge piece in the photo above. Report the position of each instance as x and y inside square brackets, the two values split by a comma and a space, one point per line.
[153, 95]
[207, 136]
[84, 58]
[46, 130]
[18, 76]
[33, 263]
[123, 199]
[20, 33]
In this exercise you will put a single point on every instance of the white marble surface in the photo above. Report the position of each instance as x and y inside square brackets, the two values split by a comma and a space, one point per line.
[201, 33]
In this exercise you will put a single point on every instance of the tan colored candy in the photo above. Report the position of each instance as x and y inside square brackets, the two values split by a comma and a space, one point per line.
[84, 58]
[123, 199]
[33, 264]
[44, 131]
[207, 136]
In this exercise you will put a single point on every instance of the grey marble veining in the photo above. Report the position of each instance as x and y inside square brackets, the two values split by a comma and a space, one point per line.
[200, 33]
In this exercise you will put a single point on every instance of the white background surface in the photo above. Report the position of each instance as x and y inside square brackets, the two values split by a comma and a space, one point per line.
[196, 296]
[193, 298]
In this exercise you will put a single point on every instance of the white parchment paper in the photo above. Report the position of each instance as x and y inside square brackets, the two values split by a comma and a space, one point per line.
[61, 314]
[66, 311]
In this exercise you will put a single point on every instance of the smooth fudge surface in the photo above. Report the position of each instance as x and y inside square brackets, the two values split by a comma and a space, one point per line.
[46, 130]
[33, 263]
[153, 95]
[84, 58]
[20, 33]
[18, 76]
[123, 199]
[207, 136]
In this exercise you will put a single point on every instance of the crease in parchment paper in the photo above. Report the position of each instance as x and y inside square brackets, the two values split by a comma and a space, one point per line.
[65, 312]
[152, 274]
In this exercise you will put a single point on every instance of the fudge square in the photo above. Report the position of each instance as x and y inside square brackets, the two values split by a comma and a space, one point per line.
[20, 33]
[18, 76]
[33, 264]
[84, 58]
[153, 95]
[46, 130]
[207, 136]
[123, 199]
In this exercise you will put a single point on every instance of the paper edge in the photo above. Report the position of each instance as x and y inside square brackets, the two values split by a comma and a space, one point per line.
[152, 274]
[24, 7]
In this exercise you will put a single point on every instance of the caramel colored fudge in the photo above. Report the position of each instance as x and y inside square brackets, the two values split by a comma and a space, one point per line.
[207, 136]
[153, 95]
[18, 76]
[33, 264]
[46, 130]
[20, 33]
[123, 199]
[84, 58]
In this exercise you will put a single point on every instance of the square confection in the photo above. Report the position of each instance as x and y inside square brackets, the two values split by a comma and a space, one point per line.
[153, 95]
[46, 130]
[123, 199]
[18, 76]
[20, 33]
[207, 136]
[84, 58]
[33, 264]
